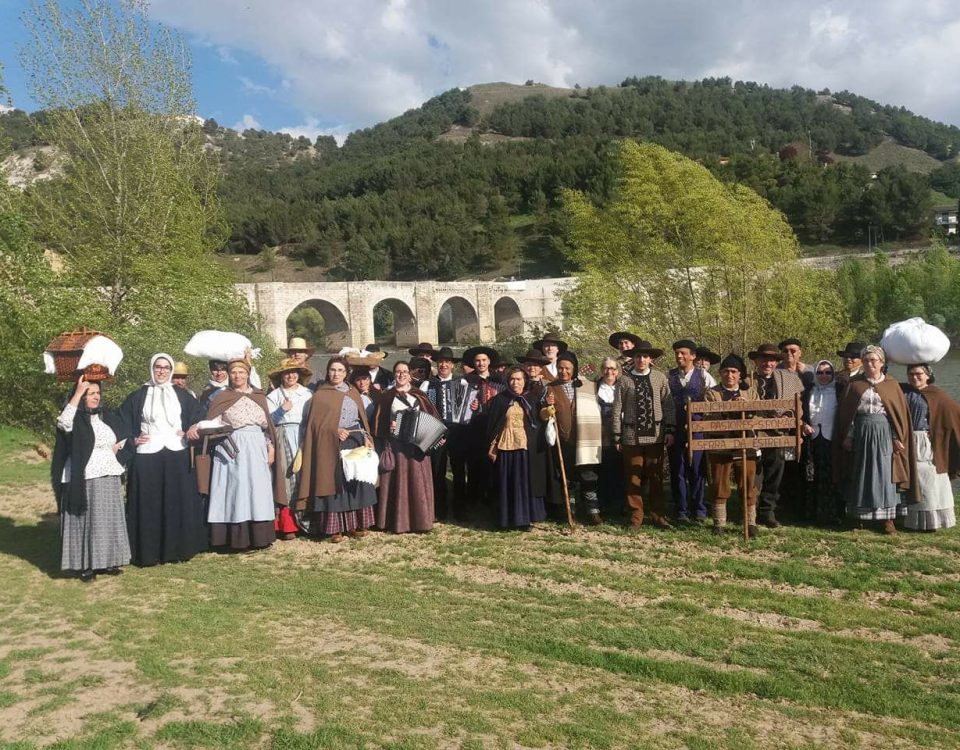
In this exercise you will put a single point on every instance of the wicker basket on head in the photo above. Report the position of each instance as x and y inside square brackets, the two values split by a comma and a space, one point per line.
[66, 350]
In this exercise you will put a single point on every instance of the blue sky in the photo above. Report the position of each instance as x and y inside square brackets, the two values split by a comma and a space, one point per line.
[330, 66]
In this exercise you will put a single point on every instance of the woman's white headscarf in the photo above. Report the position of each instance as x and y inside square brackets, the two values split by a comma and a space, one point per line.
[823, 400]
[161, 410]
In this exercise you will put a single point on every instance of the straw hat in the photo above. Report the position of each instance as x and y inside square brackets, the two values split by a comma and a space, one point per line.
[371, 359]
[299, 344]
[290, 365]
[180, 368]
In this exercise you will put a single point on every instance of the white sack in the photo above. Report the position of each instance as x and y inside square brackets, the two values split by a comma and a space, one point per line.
[552, 431]
[913, 341]
[101, 351]
[224, 346]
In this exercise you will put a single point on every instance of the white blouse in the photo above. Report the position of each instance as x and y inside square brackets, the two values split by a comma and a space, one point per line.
[103, 462]
[870, 401]
[298, 397]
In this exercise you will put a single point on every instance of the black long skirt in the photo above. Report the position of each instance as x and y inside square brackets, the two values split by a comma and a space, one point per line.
[516, 503]
[166, 520]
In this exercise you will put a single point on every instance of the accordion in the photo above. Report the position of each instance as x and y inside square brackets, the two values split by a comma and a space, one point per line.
[418, 428]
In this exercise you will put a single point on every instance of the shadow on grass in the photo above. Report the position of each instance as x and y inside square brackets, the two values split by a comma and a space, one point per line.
[37, 544]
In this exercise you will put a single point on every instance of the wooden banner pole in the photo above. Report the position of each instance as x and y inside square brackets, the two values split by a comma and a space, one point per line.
[743, 482]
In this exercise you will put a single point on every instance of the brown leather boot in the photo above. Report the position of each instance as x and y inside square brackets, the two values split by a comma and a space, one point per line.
[889, 527]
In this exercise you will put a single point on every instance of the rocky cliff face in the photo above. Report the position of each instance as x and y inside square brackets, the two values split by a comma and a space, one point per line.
[29, 165]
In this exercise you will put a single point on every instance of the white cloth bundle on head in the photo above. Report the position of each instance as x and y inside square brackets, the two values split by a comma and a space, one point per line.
[352, 351]
[914, 341]
[99, 350]
[224, 346]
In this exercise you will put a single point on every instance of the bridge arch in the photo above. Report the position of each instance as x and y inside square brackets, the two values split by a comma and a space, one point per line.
[507, 319]
[321, 323]
[457, 322]
[394, 323]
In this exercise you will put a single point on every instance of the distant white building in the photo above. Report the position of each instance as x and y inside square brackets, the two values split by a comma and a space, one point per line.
[945, 218]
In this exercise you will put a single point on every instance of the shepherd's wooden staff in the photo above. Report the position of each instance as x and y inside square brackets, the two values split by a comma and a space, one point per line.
[563, 469]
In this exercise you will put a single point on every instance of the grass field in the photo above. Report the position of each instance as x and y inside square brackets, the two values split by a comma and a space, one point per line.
[481, 639]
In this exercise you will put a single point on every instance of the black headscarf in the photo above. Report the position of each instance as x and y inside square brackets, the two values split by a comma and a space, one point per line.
[77, 445]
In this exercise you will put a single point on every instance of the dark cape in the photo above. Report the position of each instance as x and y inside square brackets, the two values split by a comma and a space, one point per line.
[77, 446]
[944, 429]
[320, 445]
[904, 469]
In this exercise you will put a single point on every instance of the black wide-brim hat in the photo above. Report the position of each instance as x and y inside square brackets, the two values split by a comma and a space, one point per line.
[645, 347]
[767, 351]
[551, 338]
[533, 357]
[617, 336]
[853, 350]
[704, 352]
[423, 349]
[469, 355]
[445, 352]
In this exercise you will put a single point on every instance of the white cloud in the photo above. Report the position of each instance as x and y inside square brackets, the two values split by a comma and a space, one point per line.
[247, 122]
[360, 62]
[226, 55]
[251, 87]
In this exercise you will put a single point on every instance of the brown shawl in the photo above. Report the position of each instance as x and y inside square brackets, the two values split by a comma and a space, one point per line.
[381, 417]
[944, 430]
[320, 446]
[227, 398]
[904, 464]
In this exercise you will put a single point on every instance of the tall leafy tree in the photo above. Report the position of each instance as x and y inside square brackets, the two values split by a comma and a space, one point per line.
[136, 207]
[676, 252]
[134, 218]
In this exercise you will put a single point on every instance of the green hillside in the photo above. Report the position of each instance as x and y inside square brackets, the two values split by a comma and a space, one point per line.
[469, 183]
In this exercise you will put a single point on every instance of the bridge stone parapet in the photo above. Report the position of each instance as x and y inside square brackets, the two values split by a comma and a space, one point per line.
[441, 312]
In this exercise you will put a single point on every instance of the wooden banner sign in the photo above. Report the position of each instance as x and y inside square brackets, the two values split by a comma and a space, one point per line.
[736, 443]
[712, 407]
[754, 423]
[781, 416]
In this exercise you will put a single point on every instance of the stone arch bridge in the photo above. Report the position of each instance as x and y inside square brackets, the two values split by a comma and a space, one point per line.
[441, 312]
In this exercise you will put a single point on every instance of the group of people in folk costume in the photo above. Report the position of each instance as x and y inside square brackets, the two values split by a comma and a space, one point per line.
[522, 441]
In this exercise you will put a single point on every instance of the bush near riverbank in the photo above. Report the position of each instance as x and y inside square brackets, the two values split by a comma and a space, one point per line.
[467, 637]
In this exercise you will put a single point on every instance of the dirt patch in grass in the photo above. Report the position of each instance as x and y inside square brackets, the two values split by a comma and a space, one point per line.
[767, 619]
[496, 577]
[28, 503]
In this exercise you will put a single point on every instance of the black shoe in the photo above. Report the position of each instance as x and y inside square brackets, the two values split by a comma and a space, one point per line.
[718, 531]
[114, 571]
[684, 521]
[594, 519]
[752, 531]
[87, 575]
[771, 522]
